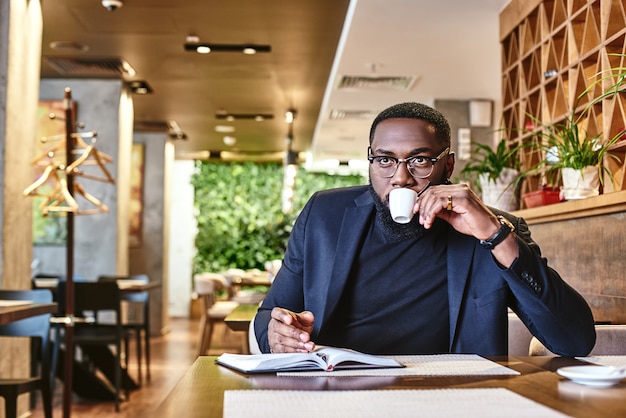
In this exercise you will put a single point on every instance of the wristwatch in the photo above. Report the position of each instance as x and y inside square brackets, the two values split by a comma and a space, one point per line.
[504, 231]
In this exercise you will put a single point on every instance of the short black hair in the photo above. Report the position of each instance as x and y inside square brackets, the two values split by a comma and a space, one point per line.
[412, 110]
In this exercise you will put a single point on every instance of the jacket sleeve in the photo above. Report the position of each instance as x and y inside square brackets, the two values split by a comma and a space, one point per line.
[551, 309]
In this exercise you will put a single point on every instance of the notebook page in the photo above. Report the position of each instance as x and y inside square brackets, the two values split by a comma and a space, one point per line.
[427, 365]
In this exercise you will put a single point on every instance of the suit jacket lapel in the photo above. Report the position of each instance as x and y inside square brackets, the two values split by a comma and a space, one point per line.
[459, 266]
[350, 237]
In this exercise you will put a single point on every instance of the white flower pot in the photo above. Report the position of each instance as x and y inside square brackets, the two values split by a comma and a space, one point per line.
[579, 184]
[499, 194]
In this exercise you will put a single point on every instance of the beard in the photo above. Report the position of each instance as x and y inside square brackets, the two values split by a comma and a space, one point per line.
[394, 231]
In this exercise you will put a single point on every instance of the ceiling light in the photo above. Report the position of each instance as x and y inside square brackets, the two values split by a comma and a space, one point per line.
[290, 115]
[224, 128]
[230, 140]
[240, 116]
[68, 46]
[140, 87]
[193, 44]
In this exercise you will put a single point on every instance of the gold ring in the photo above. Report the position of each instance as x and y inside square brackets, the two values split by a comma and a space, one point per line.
[449, 207]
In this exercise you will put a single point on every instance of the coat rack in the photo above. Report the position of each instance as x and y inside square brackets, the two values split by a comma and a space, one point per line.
[63, 161]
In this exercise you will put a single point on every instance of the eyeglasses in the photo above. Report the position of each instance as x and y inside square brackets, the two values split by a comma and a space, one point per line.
[419, 166]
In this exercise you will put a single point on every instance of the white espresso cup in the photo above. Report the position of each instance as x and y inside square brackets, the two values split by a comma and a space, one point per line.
[401, 202]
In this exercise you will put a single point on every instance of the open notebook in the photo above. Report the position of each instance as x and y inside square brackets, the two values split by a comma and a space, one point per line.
[321, 359]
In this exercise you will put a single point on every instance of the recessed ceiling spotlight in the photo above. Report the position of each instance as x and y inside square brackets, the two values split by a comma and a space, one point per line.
[68, 46]
[230, 140]
[140, 87]
[224, 129]
[290, 115]
[222, 114]
[193, 44]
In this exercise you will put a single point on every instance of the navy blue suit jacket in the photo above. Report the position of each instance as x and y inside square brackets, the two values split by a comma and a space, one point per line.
[323, 246]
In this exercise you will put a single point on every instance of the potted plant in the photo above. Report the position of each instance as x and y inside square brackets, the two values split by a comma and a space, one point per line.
[571, 155]
[495, 174]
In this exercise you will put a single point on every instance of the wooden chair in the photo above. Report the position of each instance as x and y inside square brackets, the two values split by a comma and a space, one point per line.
[135, 321]
[610, 340]
[213, 310]
[38, 329]
[96, 300]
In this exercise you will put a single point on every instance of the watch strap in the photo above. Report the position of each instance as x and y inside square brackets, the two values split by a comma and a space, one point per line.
[505, 229]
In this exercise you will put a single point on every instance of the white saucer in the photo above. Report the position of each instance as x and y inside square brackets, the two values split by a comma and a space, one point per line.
[598, 376]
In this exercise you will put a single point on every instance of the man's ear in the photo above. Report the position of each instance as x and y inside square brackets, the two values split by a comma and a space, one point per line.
[450, 160]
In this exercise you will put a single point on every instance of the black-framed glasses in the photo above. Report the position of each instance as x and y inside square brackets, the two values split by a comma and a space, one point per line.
[419, 166]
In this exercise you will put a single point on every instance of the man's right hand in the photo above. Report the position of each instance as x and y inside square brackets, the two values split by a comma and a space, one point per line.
[290, 332]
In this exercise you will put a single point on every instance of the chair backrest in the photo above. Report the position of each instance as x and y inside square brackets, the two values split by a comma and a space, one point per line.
[90, 298]
[129, 296]
[519, 336]
[37, 326]
[610, 340]
[206, 283]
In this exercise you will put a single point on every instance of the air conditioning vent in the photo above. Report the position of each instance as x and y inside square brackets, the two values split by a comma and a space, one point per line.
[151, 126]
[110, 67]
[337, 114]
[377, 82]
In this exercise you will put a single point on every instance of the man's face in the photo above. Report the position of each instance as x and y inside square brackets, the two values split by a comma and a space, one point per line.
[403, 138]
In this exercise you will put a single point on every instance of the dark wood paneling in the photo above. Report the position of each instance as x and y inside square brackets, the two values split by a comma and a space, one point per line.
[589, 254]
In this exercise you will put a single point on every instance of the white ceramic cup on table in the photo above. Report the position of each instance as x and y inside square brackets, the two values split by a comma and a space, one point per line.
[401, 202]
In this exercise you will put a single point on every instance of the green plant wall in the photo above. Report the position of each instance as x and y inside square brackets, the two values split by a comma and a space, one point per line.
[239, 212]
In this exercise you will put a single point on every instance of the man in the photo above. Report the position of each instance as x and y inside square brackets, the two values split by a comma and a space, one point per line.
[442, 283]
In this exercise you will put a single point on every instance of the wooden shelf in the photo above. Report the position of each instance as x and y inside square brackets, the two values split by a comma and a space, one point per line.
[552, 51]
[574, 209]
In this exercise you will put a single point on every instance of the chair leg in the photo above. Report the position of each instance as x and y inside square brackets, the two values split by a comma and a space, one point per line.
[139, 359]
[46, 397]
[146, 335]
[126, 349]
[10, 406]
[203, 333]
[55, 355]
[209, 335]
[118, 378]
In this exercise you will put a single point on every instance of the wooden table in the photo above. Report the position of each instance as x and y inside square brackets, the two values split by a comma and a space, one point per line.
[15, 313]
[200, 392]
[239, 319]
[129, 286]
[249, 279]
